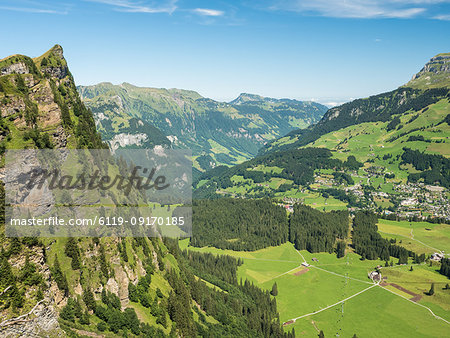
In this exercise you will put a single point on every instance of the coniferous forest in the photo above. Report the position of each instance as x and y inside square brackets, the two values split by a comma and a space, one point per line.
[317, 231]
[368, 243]
[241, 224]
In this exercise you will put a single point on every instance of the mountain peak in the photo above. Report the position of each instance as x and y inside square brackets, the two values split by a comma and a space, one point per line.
[246, 97]
[435, 73]
[57, 50]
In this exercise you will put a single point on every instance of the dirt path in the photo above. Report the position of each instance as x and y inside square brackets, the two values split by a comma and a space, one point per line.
[329, 306]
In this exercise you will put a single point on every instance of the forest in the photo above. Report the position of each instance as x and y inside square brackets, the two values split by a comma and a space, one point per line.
[244, 224]
[317, 231]
[238, 224]
[445, 267]
[434, 168]
[368, 243]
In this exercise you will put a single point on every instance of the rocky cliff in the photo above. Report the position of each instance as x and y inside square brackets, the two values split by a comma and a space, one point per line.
[435, 73]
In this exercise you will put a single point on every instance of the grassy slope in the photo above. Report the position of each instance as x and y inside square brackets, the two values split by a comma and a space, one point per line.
[376, 310]
[371, 140]
[416, 237]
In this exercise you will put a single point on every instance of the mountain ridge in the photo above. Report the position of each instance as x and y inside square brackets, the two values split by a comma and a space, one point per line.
[416, 94]
[217, 132]
[110, 286]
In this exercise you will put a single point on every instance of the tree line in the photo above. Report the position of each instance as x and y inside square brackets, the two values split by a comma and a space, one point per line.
[434, 168]
[244, 224]
[368, 243]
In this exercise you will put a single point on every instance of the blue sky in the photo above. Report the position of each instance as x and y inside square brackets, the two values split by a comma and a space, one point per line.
[323, 50]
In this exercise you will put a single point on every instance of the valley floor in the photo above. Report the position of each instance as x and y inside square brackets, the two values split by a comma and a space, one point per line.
[336, 296]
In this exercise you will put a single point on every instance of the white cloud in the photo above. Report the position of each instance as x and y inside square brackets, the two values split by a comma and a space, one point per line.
[364, 9]
[442, 17]
[208, 12]
[34, 10]
[138, 7]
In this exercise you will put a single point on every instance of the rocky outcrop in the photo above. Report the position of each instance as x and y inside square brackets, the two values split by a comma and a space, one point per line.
[41, 321]
[15, 68]
[438, 64]
[124, 140]
[56, 72]
[11, 106]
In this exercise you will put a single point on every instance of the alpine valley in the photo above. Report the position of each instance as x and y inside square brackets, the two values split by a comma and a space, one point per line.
[216, 132]
[307, 221]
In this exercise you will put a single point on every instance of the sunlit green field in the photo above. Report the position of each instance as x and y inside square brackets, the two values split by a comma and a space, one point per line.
[308, 290]
[421, 237]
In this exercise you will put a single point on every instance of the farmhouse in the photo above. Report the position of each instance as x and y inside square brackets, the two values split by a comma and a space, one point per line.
[375, 276]
[437, 256]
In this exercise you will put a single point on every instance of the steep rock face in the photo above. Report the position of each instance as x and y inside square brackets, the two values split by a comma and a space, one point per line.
[245, 98]
[435, 73]
[438, 64]
[39, 108]
[40, 95]
[15, 68]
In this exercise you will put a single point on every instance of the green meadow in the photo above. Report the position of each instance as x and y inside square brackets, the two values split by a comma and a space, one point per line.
[368, 310]
[421, 237]
[374, 313]
[419, 282]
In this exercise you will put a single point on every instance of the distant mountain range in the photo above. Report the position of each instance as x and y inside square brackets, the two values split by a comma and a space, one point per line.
[376, 131]
[217, 132]
[427, 87]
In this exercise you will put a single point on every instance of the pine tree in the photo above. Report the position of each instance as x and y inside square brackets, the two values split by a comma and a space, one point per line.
[124, 253]
[88, 299]
[431, 292]
[274, 291]
[6, 275]
[132, 293]
[77, 310]
[67, 312]
[17, 297]
[20, 83]
[59, 277]
[321, 334]
[72, 251]
[85, 318]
